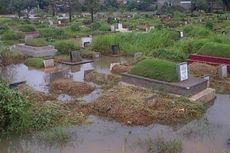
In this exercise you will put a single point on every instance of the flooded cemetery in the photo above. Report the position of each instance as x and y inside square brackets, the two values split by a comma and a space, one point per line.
[114, 76]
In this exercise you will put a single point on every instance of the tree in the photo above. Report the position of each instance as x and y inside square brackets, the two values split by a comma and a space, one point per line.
[92, 6]
[29, 5]
[226, 4]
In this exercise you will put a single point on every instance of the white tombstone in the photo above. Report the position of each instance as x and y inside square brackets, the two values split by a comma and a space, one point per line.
[182, 34]
[208, 79]
[120, 26]
[48, 63]
[51, 22]
[182, 71]
[85, 40]
[223, 71]
[113, 28]
[59, 22]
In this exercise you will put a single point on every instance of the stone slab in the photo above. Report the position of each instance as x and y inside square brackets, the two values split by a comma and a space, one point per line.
[48, 63]
[77, 63]
[205, 96]
[189, 87]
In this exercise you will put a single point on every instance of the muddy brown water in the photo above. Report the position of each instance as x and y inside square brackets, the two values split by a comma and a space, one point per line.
[40, 79]
[207, 135]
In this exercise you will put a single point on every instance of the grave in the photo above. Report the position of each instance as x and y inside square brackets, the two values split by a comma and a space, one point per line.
[85, 41]
[75, 59]
[223, 71]
[32, 51]
[28, 38]
[115, 50]
[59, 75]
[182, 71]
[48, 63]
[138, 55]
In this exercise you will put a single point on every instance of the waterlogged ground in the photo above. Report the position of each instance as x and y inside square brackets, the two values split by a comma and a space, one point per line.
[207, 135]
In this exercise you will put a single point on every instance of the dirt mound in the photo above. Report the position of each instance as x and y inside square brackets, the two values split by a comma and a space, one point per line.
[202, 69]
[70, 87]
[99, 78]
[35, 96]
[118, 69]
[130, 106]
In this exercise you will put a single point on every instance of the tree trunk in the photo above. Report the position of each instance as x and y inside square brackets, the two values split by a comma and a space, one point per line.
[70, 12]
[91, 11]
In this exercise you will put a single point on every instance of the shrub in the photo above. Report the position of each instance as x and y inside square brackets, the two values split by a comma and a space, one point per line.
[37, 42]
[101, 26]
[75, 27]
[3, 28]
[12, 35]
[155, 69]
[66, 46]
[10, 57]
[55, 33]
[26, 28]
[14, 114]
[215, 49]
[34, 62]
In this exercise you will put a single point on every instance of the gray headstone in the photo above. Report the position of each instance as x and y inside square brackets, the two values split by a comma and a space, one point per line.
[182, 71]
[48, 63]
[208, 79]
[223, 71]
[28, 38]
[58, 75]
[75, 56]
[138, 55]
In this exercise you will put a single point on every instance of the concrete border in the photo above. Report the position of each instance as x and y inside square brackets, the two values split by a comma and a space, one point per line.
[189, 87]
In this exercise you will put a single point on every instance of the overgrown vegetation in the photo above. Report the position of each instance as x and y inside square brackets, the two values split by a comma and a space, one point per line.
[34, 62]
[38, 42]
[66, 46]
[156, 69]
[8, 57]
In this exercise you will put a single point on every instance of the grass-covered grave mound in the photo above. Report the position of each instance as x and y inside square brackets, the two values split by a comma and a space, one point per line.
[155, 69]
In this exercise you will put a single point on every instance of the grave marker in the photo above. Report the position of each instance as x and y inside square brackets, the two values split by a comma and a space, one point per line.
[48, 63]
[223, 71]
[75, 56]
[115, 49]
[28, 38]
[85, 40]
[138, 55]
[182, 71]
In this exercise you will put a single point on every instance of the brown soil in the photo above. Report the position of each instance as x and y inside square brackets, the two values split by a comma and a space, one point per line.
[130, 105]
[99, 78]
[70, 87]
[201, 69]
[35, 96]
[118, 69]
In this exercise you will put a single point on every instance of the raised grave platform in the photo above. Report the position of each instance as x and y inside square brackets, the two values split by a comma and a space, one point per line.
[76, 63]
[189, 87]
[211, 60]
[35, 51]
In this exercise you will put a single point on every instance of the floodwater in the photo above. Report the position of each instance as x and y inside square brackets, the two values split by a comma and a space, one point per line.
[207, 135]
[39, 79]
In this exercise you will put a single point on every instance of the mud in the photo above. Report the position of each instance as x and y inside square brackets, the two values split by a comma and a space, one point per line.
[70, 87]
[118, 69]
[132, 106]
[201, 70]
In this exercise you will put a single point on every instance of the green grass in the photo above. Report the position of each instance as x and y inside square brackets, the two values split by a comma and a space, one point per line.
[215, 49]
[155, 69]
[66, 46]
[26, 28]
[38, 42]
[135, 42]
[34, 62]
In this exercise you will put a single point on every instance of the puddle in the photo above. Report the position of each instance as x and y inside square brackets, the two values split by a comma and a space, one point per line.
[207, 135]
[40, 79]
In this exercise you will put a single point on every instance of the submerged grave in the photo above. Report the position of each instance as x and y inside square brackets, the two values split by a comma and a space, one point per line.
[33, 51]
[167, 76]
[75, 59]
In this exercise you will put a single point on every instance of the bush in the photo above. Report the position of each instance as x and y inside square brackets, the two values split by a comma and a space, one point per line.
[26, 28]
[37, 42]
[3, 28]
[66, 46]
[101, 26]
[14, 114]
[156, 69]
[55, 33]
[75, 27]
[12, 35]
[34, 62]
[10, 57]
[215, 49]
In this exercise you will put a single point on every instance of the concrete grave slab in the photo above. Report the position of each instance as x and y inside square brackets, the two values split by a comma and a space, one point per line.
[48, 63]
